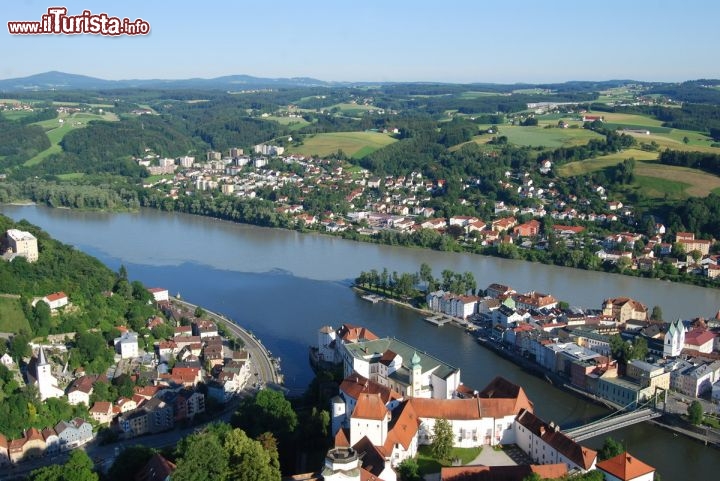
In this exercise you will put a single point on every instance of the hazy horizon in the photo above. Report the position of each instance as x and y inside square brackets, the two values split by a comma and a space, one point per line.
[516, 41]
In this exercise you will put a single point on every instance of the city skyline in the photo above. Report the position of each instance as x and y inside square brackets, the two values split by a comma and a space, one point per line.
[518, 41]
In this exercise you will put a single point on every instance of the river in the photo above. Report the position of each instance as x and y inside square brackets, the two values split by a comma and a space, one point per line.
[284, 286]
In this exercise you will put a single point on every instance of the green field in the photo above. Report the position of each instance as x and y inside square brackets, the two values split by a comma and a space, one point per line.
[293, 123]
[653, 179]
[542, 137]
[12, 318]
[582, 167]
[56, 131]
[353, 144]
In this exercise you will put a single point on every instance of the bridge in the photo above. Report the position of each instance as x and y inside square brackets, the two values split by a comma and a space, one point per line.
[611, 423]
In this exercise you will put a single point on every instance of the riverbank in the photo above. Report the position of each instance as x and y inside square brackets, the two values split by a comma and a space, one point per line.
[267, 367]
[449, 244]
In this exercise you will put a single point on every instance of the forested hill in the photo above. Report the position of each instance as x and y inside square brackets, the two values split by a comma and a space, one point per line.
[60, 268]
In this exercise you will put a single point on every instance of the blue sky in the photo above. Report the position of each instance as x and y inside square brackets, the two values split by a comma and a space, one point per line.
[504, 41]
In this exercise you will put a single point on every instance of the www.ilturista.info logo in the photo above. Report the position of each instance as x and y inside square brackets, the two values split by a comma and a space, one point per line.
[57, 21]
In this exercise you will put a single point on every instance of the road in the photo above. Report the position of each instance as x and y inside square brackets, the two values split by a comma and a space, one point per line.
[262, 362]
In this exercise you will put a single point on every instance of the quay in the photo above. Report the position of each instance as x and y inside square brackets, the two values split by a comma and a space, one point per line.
[267, 367]
[438, 320]
[374, 298]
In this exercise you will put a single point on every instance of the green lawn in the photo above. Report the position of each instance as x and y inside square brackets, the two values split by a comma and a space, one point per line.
[354, 144]
[428, 464]
[657, 188]
[591, 165]
[542, 137]
[12, 318]
[294, 123]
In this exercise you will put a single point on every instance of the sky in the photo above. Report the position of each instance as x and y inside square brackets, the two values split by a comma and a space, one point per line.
[503, 41]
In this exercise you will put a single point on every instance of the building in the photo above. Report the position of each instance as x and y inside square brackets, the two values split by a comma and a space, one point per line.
[159, 294]
[47, 383]
[545, 444]
[73, 433]
[624, 467]
[624, 308]
[102, 412]
[504, 473]
[674, 339]
[156, 469]
[154, 416]
[22, 244]
[56, 300]
[401, 367]
[80, 390]
[700, 340]
[689, 243]
[127, 345]
[648, 375]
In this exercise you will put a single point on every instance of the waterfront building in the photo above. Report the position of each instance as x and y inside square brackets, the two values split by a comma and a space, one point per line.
[401, 367]
[624, 308]
[545, 444]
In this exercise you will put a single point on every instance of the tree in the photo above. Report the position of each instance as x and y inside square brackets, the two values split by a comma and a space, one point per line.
[199, 312]
[248, 460]
[79, 467]
[639, 348]
[202, 457]
[610, 449]
[129, 462]
[656, 314]
[426, 275]
[409, 470]
[268, 411]
[695, 412]
[442, 442]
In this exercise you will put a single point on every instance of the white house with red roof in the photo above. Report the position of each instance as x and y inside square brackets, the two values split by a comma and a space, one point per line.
[699, 339]
[159, 294]
[624, 467]
[56, 300]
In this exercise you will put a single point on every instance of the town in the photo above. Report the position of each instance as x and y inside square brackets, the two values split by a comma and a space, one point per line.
[543, 222]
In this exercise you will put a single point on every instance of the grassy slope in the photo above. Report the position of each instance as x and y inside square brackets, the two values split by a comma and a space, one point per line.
[12, 318]
[55, 131]
[355, 144]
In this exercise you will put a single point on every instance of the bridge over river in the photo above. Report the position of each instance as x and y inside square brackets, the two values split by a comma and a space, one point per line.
[611, 423]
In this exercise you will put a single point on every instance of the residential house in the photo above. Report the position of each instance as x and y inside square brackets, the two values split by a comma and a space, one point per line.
[700, 339]
[102, 412]
[52, 441]
[153, 416]
[535, 300]
[528, 229]
[688, 242]
[127, 345]
[156, 469]
[73, 433]
[625, 467]
[80, 390]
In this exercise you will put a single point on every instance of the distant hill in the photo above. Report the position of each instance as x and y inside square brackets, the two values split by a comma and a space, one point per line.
[65, 81]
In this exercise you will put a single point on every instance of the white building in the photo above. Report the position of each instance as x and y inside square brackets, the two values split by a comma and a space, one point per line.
[545, 444]
[23, 244]
[46, 382]
[401, 367]
[127, 345]
[624, 467]
[159, 294]
[674, 339]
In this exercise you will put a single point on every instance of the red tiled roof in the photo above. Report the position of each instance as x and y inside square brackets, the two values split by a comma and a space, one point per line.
[55, 296]
[370, 406]
[355, 384]
[502, 473]
[625, 467]
[580, 455]
[698, 337]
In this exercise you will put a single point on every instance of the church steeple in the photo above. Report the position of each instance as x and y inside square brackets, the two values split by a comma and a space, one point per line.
[42, 360]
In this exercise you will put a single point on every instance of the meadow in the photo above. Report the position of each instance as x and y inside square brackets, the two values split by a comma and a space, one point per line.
[12, 318]
[542, 137]
[353, 144]
[56, 131]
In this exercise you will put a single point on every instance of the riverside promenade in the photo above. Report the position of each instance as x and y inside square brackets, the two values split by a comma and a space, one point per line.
[266, 369]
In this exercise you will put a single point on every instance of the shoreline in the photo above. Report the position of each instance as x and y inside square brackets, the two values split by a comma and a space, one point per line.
[695, 280]
[560, 383]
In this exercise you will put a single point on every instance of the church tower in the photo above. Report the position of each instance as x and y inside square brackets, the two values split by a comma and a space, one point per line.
[415, 375]
[46, 382]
